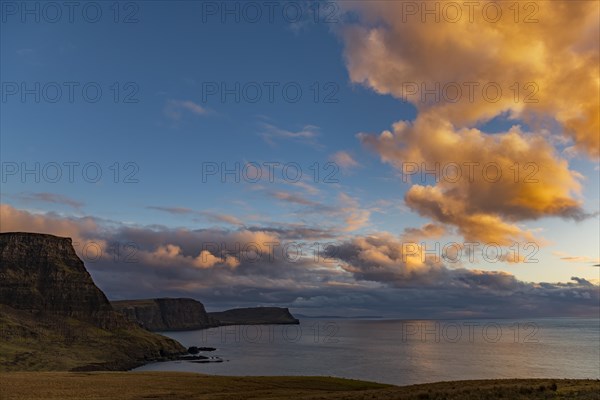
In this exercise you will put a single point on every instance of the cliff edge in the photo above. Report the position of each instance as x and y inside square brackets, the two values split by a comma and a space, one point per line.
[166, 314]
[255, 316]
[53, 316]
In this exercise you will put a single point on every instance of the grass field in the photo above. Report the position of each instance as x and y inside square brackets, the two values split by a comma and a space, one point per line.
[175, 385]
[57, 343]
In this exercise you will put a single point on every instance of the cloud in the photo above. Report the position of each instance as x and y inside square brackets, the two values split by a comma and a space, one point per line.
[344, 160]
[355, 217]
[170, 255]
[310, 189]
[173, 210]
[417, 279]
[403, 264]
[231, 268]
[296, 231]
[307, 135]
[575, 259]
[443, 68]
[427, 231]
[225, 218]
[347, 209]
[293, 198]
[584, 259]
[156, 247]
[380, 258]
[25, 52]
[485, 182]
[208, 215]
[582, 281]
[556, 68]
[15, 220]
[174, 109]
[50, 198]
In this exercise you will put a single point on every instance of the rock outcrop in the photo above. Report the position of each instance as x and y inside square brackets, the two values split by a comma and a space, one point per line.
[42, 274]
[166, 314]
[255, 316]
[53, 316]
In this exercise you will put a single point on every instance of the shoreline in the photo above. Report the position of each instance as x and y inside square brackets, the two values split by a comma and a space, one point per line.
[184, 385]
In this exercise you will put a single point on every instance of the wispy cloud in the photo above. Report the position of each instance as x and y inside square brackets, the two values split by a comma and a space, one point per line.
[206, 215]
[50, 198]
[226, 218]
[293, 198]
[307, 135]
[25, 52]
[346, 209]
[172, 210]
[575, 259]
[310, 189]
[175, 109]
[344, 160]
[355, 216]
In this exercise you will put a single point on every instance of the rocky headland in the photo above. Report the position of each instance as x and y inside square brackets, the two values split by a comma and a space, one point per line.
[255, 316]
[53, 316]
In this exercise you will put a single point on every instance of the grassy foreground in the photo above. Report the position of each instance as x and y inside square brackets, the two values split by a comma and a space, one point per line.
[178, 385]
[54, 342]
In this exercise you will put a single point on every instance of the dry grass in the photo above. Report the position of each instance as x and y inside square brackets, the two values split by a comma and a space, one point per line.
[173, 385]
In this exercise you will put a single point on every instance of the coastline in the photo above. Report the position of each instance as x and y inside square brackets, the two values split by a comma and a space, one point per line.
[184, 385]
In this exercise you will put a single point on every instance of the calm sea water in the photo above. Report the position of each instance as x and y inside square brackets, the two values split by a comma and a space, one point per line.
[401, 352]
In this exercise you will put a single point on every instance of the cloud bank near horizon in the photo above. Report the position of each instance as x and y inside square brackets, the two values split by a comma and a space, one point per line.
[245, 267]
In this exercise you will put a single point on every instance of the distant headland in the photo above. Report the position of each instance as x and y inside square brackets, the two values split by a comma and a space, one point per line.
[167, 314]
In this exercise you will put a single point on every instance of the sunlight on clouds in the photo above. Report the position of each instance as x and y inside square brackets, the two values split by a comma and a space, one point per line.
[400, 55]
[527, 179]
[389, 52]
[344, 160]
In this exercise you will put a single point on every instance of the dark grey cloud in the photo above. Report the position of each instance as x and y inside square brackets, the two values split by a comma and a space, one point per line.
[460, 291]
[317, 287]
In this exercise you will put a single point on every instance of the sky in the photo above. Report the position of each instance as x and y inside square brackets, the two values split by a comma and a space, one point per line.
[402, 159]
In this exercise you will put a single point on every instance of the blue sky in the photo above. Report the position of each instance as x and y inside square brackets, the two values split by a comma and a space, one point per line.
[165, 62]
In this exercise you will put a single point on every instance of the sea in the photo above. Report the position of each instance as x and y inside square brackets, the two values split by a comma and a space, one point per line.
[400, 352]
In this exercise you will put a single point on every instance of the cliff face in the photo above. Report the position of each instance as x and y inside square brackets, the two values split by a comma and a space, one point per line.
[255, 316]
[53, 316]
[188, 314]
[166, 314]
[43, 274]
